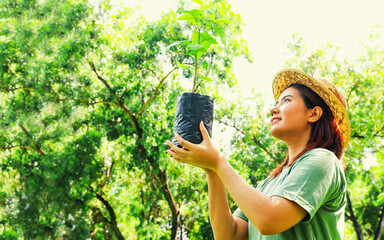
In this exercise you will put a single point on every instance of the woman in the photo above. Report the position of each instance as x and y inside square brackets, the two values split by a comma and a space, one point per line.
[305, 197]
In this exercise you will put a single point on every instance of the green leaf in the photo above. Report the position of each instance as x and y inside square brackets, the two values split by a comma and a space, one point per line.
[187, 16]
[380, 198]
[175, 44]
[184, 66]
[196, 14]
[207, 79]
[205, 36]
[199, 2]
[222, 21]
[195, 37]
[196, 48]
[202, 85]
[206, 44]
[207, 40]
[221, 33]
[200, 54]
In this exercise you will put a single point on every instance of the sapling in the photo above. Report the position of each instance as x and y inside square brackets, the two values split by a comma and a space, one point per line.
[204, 28]
[192, 108]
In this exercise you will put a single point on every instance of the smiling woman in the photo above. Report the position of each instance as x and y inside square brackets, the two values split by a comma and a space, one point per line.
[305, 197]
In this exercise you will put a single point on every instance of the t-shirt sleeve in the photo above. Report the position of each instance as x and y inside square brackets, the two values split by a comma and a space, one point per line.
[240, 214]
[310, 181]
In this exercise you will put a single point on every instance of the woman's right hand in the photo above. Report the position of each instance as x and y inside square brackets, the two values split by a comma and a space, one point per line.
[204, 155]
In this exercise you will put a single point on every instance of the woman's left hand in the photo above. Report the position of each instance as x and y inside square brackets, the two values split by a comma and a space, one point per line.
[204, 155]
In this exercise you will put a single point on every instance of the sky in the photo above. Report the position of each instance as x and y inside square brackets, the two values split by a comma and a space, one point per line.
[269, 26]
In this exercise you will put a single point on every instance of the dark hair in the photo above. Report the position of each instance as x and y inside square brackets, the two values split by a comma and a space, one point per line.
[325, 132]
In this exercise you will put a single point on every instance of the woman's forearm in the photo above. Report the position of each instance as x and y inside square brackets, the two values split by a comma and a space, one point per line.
[268, 215]
[219, 212]
[246, 197]
[222, 221]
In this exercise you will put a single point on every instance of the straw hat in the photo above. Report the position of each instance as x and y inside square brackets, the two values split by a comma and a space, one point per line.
[324, 88]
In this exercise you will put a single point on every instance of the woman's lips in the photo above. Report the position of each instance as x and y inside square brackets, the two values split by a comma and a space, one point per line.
[275, 120]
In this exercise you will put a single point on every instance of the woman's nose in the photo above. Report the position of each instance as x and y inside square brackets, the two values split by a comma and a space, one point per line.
[274, 110]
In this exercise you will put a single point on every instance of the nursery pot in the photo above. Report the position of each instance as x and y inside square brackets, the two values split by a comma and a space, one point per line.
[191, 109]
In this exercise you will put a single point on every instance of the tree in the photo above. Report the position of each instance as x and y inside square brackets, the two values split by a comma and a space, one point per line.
[87, 101]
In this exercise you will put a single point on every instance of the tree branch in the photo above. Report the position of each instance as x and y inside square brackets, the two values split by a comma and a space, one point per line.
[255, 140]
[375, 134]
[162, 180]
[347, 216]
[380, 225]
[121, 104]
[153, 72]
[37, 146]
[17, 146]
[111, 212]
[156, 92]
[102, 79]
[106, 102]
[356, 225]
[15, 89]
[99, 213]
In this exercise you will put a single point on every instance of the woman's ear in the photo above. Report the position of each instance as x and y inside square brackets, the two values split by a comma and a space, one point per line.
[315, 115]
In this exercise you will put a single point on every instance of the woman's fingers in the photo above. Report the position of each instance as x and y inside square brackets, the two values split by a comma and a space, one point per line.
[176, 156]
[184, 143]
[204, 131]
[180, 151]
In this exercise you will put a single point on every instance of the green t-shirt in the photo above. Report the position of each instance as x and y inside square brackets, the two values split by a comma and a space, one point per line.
[316, 182]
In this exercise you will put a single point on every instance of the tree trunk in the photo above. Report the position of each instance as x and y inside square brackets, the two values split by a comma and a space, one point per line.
[162, 180]
[171, 202]
[112, 214]
[379, 229]
[161, 176]
[356, 225]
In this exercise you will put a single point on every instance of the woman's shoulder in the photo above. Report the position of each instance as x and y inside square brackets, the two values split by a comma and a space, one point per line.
[319, 152]
[319, 157]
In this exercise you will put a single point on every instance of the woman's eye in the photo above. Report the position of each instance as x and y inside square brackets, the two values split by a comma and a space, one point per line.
[286, 100]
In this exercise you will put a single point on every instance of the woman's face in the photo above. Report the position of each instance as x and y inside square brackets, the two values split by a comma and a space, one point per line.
[289, 117]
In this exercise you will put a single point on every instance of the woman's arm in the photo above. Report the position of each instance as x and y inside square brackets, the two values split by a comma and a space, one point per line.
[224, 224]
[269, 215]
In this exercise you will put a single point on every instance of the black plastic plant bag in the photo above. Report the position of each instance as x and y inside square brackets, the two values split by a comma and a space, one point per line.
[191, 109]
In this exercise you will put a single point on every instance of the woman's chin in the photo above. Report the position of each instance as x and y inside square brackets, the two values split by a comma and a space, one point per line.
[275, 133]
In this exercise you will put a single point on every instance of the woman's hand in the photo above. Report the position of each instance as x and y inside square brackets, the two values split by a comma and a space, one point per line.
[204, 155]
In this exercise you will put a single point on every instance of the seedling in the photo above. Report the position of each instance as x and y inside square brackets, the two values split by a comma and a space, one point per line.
[204, 28]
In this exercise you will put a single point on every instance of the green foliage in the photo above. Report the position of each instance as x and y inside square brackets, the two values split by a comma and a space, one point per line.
[87, 99]
[203, 27]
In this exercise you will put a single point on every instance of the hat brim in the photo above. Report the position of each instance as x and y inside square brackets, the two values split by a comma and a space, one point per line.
[287, 77]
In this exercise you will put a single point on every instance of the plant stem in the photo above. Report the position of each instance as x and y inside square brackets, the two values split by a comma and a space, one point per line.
[194, 88]
[195, 78]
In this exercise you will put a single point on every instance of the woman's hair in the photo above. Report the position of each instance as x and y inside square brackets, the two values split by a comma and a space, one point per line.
[325, 132]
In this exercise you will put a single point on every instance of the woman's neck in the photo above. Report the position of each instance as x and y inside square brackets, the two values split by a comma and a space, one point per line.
[295, 147]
